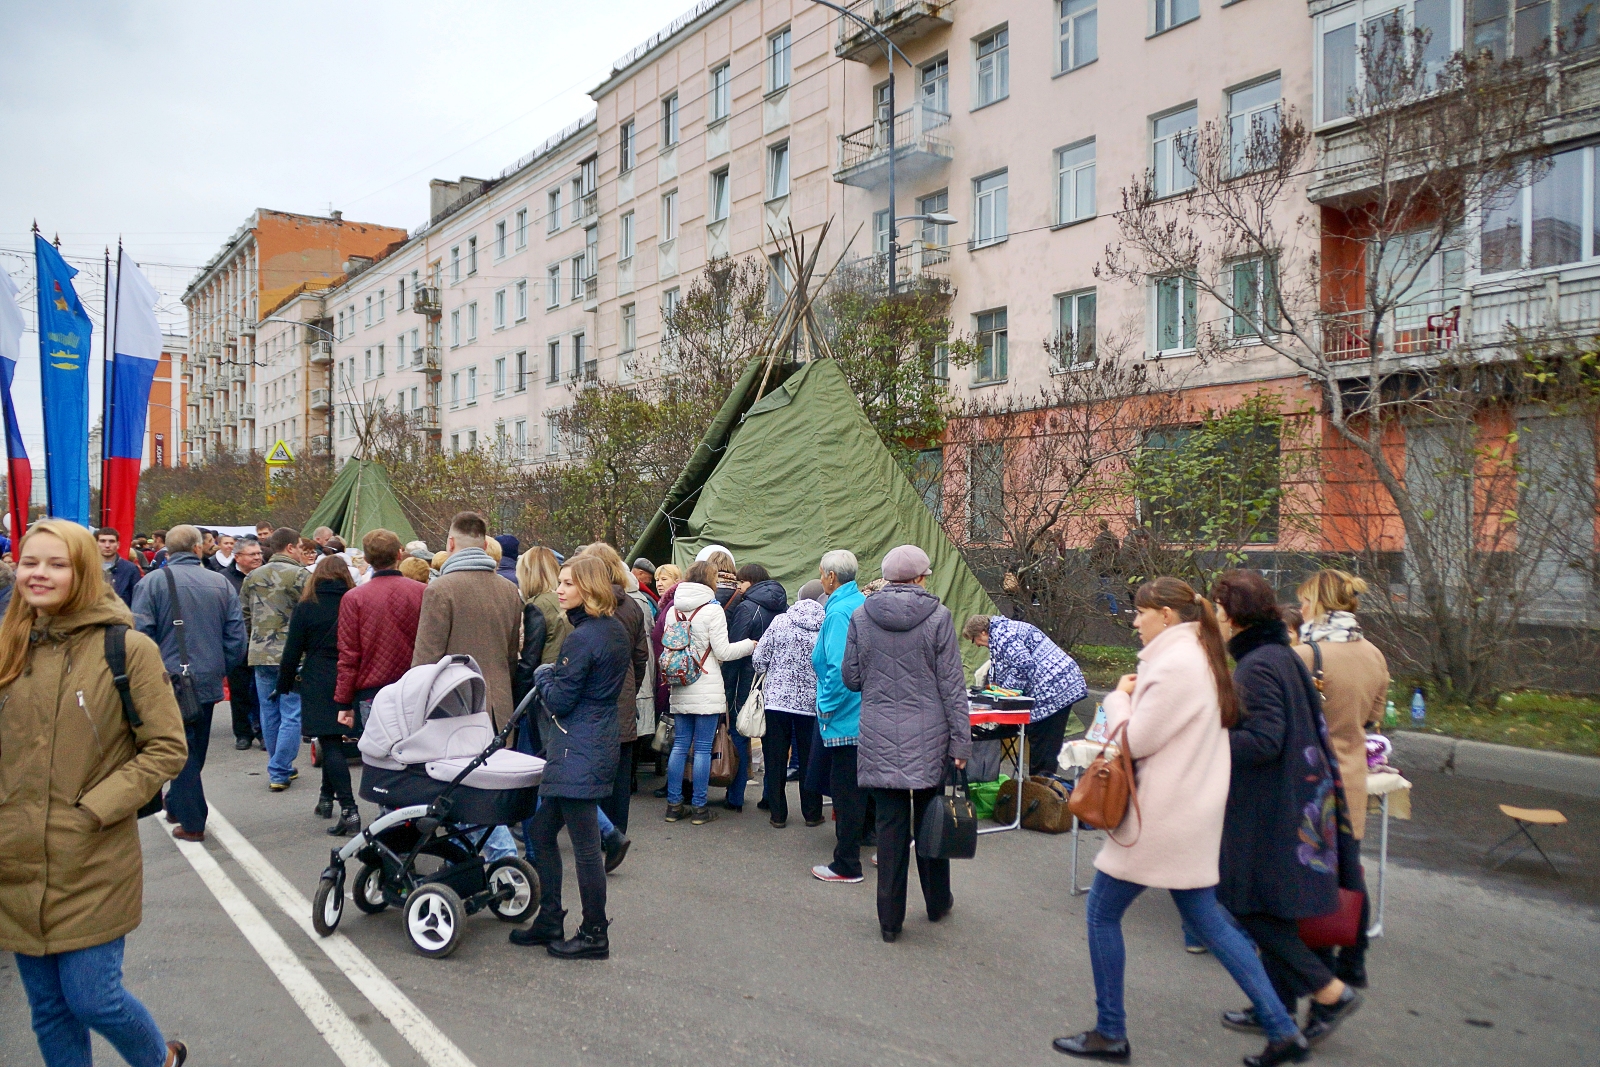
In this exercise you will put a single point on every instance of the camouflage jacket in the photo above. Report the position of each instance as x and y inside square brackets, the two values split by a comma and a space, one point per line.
[268, 597]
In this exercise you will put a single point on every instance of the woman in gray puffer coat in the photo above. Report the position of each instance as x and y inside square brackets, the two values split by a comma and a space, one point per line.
[790, 692]
[902, 656]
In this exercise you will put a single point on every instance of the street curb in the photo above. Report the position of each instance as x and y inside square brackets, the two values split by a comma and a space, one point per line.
[1560, 772]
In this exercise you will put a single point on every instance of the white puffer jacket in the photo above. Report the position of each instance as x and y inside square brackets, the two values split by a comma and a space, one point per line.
[708, 629]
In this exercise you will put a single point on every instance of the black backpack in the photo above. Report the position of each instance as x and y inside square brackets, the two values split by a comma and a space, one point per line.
[117, 660]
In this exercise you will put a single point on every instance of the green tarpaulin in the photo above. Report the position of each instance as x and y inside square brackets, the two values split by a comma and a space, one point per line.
[359, 501]
[804, 473]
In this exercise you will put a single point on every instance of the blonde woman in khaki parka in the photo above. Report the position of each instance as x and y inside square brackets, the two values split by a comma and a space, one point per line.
[72, 776]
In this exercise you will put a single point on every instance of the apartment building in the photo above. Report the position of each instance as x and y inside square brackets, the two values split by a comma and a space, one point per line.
[475, 327]
[294, 348]
[266, 258]
[164, 425]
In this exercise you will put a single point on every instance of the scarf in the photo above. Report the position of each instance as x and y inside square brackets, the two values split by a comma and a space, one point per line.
[1339, 626]
[468, 559]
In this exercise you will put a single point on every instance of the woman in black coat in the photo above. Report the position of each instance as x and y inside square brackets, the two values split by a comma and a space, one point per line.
[578, 722]
[310, 667]
[751, 610]
[1287, 848]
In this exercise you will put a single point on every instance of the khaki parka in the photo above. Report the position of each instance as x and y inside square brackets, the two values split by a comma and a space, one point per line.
[72, 776]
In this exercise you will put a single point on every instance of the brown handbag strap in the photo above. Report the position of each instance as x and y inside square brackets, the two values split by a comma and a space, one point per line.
[1125, 759]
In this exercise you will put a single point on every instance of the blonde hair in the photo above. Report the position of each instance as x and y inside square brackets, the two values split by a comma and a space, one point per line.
[88, 588]
[439, 560]
[609, 556]
[593, 579]
[667, 574]
[537, 572]
[722, 563]
[1331, 589]
[415, 569]
[491, 546]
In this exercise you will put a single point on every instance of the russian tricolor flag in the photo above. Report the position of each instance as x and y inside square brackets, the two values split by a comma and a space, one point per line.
[136, 347]
[20, 473]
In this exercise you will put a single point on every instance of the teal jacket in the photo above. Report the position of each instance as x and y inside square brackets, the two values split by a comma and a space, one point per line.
[838, 708]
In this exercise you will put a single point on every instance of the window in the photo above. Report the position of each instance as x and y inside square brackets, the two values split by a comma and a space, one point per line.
[1075, 330]
[552, 286]
[521, 370]
[553, 373]
[1175, 314]
[471, 375]
[991, 331]
[1174, 141]
[552, 210]
[522, 300]
[778, 281]
[589, 175]
[880, 232]
[1253, 284]
[718, 208]
[1522, 28]
[778, 60]
[500, 240]
[382, 305]
[935, 85]
[500, 376]
[927, 475]
[455, 390]
[669, 311]
[1075, 183]
[400, 294]
[519, 438]
[455, 264]
[625, 236]
[455, 328]
[1357, 28]
[1078, 34]
[625, 147]
[577, 199]
[989, 214]
[380, 360]
[472, 321]
[628, 328]
[778, 171]
[1541, 225]
[669, 216]
[366, 359]
[1223, 481]
[994, 68]
[669, 121]
[577, 277]
[986, 464]
[455, 444]
[933, 234]
[472, 255]
[1253, 126]
[1170, 13]
[578, 354]
[721, 100]
[499, 309]
[472, 440]
[522, 228]
[591, 251]
[369, 310]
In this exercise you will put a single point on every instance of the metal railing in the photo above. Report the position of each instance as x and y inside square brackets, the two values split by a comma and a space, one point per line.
[321, 399]
[321, 352]
[919, 128]
[895, 18]
[425, 301]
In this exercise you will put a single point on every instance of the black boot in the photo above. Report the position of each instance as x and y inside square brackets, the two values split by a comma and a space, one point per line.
[324, 808]
[1325, 1019]
[545, 929]
[615, 846]
[589, 943]
[1290, 1050]
[349, 823]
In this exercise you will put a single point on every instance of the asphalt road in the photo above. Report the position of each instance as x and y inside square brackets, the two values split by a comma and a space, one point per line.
[725, 950]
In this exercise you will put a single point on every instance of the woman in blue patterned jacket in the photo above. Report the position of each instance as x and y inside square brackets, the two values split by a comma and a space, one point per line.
[1021, 657]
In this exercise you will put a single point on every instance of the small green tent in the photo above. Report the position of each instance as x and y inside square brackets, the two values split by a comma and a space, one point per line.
[803, 473]
[359, 501]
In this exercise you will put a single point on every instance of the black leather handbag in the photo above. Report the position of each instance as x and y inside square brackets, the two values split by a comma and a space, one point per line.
[949, 829]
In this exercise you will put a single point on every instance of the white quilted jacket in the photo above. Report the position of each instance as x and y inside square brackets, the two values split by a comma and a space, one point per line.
[709, 629]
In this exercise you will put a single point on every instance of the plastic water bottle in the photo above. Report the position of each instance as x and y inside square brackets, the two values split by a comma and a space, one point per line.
[1419, 707]
[1390, 715]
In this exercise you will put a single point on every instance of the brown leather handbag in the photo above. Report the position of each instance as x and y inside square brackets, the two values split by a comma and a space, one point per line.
[724, 759]
[1101, 795]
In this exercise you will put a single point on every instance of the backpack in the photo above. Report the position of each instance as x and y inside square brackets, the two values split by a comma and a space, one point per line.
[117, 660]
[679, 666]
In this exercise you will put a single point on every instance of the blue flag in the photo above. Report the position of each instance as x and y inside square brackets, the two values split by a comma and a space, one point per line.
[63, 385]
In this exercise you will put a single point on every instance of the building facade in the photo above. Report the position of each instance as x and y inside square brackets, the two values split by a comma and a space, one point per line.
[164, 425]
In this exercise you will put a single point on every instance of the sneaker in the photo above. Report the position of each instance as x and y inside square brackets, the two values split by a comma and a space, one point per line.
[701, 816]
[278, 787]
[824, 873]
[177, 1053]
[294, 772]
[1195, 950]
[674, 812]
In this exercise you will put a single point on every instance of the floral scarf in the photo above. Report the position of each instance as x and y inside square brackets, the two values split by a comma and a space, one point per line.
[1338, 626]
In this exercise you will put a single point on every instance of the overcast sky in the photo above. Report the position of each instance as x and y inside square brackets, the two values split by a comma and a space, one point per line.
[168, 123]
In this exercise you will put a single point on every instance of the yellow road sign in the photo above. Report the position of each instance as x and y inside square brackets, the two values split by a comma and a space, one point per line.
[280, 454]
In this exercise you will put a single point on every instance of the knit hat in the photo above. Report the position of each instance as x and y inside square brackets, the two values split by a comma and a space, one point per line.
[418, 550]
[705, 553]
[905, 564]
[509, 546]
[642, 564]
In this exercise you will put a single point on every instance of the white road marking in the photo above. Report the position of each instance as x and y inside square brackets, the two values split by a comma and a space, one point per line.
[418, 1030]
[342, 1035]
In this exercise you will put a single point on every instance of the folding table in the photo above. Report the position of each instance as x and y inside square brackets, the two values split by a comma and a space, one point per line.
[992, 724]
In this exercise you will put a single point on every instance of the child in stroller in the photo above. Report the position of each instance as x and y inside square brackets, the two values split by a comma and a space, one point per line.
[431, 757]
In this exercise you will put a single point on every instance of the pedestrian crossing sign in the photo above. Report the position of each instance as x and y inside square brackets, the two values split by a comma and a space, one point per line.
[280, 454]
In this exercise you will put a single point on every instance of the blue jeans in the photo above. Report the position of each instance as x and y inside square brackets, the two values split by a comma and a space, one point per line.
[697, 732]
[280, 725]
[72, 993]
[741, 777]
[1109, 897]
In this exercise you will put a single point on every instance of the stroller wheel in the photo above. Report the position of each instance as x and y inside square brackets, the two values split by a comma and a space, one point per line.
[368, 890]
[517, 875]
[434, 919]
[316, 752]
[327, 907]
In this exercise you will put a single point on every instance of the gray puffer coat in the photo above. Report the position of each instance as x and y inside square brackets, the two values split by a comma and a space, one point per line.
[901, 655]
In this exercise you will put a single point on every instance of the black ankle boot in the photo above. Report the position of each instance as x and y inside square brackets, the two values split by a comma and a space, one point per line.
[544, 930]
[324, 809]
[589, 943]
[1289, 1050]
[349, 823]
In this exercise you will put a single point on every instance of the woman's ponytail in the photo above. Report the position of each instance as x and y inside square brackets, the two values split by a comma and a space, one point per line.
[1217, 655]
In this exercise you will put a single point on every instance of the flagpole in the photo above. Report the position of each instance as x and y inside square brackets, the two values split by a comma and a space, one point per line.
[38, 310]
[108, 405]
[105, 382]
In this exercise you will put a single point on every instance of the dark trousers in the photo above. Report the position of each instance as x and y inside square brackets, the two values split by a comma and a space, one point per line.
[242, 702]
[186, 796]
[785, 731]
[335, 770]
[1044, 742]
[849, 811]
[616, 805]
[583, 829]
[899, 812]
[1295, 970]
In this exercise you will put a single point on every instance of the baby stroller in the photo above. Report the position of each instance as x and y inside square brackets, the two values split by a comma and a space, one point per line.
[431, 757]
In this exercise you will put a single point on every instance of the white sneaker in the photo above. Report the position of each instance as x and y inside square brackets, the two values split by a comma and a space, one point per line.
[824, 873]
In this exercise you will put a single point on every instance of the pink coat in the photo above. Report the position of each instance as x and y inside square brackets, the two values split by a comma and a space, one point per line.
[1182, 766]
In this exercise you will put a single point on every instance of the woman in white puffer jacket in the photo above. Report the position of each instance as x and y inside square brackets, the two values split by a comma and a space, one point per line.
[696, 708]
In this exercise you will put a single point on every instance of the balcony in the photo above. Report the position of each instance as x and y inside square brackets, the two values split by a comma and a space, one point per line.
[321, 353]
[902, 21]
[247, 411]
[588, 206]
[921, 149]
[426, 418]
[425, 301]
[238, 373]
[247, 326]
[230, 418]
[914, 266]
[429, 360]
[591, 292]
[591, 370]
[321, 399]
[321, 445]
[207, 391]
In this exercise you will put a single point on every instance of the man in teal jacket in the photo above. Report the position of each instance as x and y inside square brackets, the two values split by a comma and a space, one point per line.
[839, 716]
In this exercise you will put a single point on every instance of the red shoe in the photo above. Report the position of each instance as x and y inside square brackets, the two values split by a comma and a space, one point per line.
[184, 835]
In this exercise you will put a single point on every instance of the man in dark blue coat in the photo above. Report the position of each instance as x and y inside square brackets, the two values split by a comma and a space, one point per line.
[121, 574]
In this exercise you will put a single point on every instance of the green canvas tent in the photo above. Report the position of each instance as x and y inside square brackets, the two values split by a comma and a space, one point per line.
[360, 500]
[802, 473]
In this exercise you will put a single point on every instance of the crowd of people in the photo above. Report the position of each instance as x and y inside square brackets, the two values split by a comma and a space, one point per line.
[1241, 775]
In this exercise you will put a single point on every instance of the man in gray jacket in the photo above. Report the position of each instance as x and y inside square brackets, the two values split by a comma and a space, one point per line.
[213, 644]
[902, 656]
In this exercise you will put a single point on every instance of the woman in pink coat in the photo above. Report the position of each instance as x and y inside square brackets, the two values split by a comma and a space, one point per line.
[1177, 709]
